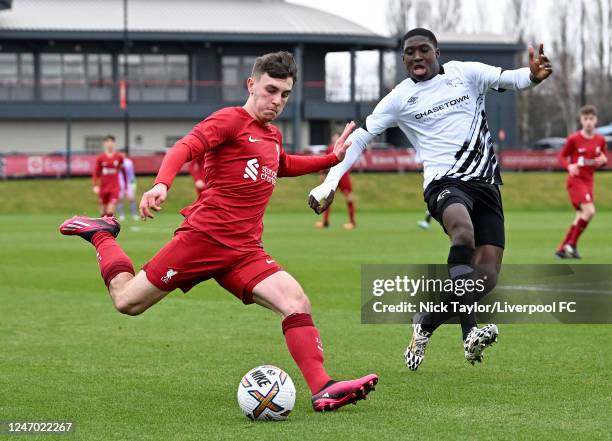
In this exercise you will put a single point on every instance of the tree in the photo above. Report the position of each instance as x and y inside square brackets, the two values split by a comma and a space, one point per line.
[563, 77]
[399, 15]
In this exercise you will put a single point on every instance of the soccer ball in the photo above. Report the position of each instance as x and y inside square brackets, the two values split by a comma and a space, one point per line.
[266, 393]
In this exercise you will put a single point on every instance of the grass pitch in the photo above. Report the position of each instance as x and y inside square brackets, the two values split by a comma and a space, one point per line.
[172, 373]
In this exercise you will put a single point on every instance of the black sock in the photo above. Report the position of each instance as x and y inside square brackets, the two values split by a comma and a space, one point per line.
[459, 268]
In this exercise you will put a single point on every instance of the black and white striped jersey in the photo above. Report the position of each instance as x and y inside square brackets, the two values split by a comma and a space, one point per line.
[444, 119]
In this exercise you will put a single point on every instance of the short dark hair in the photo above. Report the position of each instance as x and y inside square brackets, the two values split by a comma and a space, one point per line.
[589, 109]
[276, 64]
[107, 137]
[423, 32]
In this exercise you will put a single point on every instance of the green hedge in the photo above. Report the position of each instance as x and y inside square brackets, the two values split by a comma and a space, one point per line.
[373, 191]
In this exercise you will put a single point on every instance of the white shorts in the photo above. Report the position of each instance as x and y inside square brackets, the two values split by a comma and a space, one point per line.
[131, 191]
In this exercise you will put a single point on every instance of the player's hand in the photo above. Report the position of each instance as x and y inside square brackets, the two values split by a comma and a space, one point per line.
[96, 189]
[573, 169]
[152, 200]
[540, 66]
[341, 143]
[601, 160]
[321, 197]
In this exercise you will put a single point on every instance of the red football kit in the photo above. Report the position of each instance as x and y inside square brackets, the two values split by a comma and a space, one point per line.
[107, 169]
[196, 170]
[582, 151]
[220, 237]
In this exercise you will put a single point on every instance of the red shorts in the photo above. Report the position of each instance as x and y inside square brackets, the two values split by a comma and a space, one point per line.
[345, 184]
[580, 192]
[108, 196]
[192, 257]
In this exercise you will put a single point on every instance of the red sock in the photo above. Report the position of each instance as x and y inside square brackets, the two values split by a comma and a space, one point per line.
[326, 215]
[569, 233]
[351, 210]
[578, 230]
[304, 344]
[111, 258]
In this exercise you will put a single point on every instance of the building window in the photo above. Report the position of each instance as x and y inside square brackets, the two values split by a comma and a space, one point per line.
[76, 77]
[99, 74]
[16, 77]
[93, 144]
[171, 140]
[234, 72]
[156, 77]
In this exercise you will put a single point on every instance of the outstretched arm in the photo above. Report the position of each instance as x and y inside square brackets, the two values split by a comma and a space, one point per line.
[383, 117]
[539, 69]
[322, 196]
[540, 66]
[297, 165]
[178, 155]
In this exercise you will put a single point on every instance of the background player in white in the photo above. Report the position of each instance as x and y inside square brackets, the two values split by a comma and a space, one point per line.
[127, 191]
[440, 109]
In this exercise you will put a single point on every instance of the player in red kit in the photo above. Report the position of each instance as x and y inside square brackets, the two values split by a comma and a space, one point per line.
[220, 237]
[196, 170]
[106, 174]
[584, 151]
[346, 187]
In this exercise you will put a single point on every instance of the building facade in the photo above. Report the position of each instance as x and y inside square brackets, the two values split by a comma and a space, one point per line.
[147, 71]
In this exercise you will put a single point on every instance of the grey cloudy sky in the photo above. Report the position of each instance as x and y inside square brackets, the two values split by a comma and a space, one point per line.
[372, 14]
[368, 13]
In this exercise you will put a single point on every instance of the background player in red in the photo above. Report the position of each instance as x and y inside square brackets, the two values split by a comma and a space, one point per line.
[583, 152]
[220, 237]
[346, 187]
[106, 176]
[196, 170]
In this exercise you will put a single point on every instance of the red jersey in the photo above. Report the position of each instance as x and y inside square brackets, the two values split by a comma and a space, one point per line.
[196, 169]
[582, 151]
[107, 169]
[242, 160]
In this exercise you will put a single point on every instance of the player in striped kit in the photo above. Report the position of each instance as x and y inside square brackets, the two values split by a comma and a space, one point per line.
[441, 110]
[127, 190]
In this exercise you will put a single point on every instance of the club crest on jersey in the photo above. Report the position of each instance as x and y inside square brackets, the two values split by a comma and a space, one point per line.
[412, 100]
[454, 82]
[169, 274]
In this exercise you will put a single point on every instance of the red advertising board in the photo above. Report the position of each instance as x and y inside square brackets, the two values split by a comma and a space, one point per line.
[398, 160]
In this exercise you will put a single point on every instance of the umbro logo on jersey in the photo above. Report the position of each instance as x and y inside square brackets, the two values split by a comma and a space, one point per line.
[250, 171]
[442, 195]
[251, 139]
[412, 100]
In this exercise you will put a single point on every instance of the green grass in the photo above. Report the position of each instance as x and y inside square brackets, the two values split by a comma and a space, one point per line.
[172, 373]
[539, 191]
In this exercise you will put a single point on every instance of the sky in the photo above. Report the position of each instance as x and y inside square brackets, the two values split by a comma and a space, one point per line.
[367, 13]
[372, 13]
